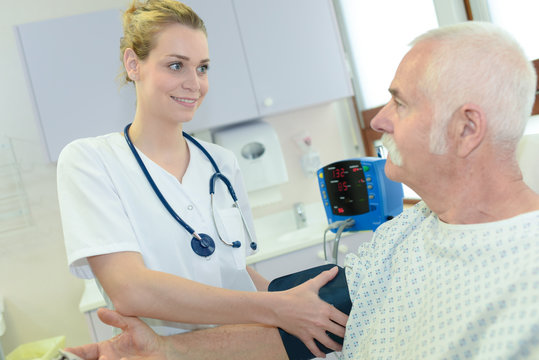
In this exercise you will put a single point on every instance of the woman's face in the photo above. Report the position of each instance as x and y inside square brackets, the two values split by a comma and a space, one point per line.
[172, 81]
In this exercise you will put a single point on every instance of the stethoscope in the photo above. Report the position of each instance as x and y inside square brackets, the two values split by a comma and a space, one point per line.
[202, 244]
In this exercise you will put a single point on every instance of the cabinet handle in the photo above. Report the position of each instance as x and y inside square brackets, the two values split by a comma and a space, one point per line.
[268, 102]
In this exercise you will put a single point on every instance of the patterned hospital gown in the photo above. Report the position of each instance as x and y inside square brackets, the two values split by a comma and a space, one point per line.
[424, 289]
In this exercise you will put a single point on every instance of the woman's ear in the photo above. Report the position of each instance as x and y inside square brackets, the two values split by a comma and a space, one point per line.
[131, 64]
[471, 129]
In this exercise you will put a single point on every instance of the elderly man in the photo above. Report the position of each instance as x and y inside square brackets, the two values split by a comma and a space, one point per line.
[456, 276]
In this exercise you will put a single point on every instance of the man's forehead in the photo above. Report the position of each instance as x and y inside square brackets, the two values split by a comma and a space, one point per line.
[409, 72]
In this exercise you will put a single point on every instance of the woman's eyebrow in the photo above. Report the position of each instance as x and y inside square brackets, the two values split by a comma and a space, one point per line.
[186, 58]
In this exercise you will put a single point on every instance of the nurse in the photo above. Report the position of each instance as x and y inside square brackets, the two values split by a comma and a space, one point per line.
[116, 228]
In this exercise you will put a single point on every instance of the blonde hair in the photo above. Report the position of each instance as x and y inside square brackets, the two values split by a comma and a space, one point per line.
[142, 21]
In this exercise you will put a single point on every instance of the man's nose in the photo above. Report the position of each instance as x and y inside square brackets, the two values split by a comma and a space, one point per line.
[381, 121]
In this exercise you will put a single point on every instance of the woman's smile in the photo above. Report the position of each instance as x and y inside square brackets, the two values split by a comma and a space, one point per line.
[189, 102]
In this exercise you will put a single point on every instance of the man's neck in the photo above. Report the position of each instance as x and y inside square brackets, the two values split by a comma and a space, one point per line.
[482, 195]
[483, 207]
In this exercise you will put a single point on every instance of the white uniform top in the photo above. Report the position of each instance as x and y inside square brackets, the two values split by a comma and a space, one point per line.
[107, 205]
[424, 289]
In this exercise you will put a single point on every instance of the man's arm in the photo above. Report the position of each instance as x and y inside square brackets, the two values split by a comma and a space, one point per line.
[238, 342]
[139, 342]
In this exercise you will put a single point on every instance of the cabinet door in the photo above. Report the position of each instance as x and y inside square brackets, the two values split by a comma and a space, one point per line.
[73, 62]
[294, 53]
[230, 98]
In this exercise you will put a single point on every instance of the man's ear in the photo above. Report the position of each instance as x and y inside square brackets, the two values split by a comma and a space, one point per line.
[131, 64]
[471, 129]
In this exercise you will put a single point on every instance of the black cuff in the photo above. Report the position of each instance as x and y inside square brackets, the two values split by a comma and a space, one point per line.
[334, 292]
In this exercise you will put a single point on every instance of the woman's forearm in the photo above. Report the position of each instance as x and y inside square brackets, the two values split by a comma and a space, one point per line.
[261, 283]
[138, 291]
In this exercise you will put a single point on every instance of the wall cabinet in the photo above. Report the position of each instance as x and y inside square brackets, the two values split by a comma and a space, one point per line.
[294, 53]
[270, 57]
[285, 54]
[264, 60]
[230, 98]
[71, 65]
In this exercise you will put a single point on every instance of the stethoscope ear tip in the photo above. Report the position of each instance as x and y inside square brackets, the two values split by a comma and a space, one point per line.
[236, 244]
[253, 245]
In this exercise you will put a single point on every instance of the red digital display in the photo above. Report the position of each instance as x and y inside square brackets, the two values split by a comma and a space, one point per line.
[338, 173]
[342, 186]
[346, 188]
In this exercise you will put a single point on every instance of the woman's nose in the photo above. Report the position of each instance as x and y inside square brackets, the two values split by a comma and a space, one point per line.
[381, 121]
[191, 81]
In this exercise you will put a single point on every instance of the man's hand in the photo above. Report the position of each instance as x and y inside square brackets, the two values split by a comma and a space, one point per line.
[136, 342]
[139, 342]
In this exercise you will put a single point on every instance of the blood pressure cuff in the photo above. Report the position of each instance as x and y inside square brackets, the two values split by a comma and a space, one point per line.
[334, 292]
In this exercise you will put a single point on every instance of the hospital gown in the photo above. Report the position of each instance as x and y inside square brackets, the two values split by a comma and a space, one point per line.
[424, 289]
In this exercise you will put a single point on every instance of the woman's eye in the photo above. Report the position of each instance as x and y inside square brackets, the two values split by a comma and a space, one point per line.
[175, 66]
[203, 68]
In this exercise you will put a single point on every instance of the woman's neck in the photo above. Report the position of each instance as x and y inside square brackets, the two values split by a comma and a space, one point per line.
[163, 143]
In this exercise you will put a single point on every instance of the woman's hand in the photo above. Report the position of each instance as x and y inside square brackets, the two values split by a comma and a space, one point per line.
[302, 313]
[136, 342]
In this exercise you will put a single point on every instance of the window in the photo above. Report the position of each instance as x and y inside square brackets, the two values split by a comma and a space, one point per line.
[377, 34]
[519, 17]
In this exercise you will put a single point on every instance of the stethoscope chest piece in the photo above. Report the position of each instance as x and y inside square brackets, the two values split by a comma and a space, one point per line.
[203, 247]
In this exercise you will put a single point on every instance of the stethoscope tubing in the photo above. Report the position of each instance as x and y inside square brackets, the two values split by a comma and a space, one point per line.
[154, 186]
[216, 176]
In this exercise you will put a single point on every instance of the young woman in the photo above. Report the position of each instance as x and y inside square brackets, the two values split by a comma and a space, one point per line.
[136, 208]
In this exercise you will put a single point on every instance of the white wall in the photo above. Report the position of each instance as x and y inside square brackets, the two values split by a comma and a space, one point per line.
[41, 297]
[329, 126]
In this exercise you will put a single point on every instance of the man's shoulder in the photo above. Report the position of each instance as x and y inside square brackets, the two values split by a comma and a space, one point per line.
[408, 218]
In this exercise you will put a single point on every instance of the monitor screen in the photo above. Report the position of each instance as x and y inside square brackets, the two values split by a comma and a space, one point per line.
[347, 188]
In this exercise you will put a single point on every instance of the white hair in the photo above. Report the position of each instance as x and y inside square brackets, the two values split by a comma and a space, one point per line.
[480, 63]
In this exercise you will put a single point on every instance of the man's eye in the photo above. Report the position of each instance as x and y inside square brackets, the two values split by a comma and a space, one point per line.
[175, 66]
[203, 68]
